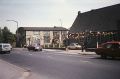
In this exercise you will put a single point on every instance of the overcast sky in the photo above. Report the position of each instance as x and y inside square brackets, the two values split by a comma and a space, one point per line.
[46, 13]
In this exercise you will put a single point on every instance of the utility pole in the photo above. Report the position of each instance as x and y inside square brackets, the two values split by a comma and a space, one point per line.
[17, 38]
[60, 22]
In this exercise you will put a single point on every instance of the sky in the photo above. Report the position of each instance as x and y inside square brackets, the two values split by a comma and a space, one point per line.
[46, 13]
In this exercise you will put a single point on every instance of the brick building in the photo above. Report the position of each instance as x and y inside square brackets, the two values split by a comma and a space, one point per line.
[98, 25]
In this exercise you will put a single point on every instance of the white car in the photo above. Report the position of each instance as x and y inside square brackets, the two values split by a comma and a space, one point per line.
[5, 48]
[74, 46]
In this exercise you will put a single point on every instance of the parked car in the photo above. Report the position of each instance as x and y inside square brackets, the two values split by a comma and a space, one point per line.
[74, 46]
[35, 47]
[111, 49]
[5, 48]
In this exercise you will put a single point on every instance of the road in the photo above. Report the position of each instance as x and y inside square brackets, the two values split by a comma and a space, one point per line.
[52, 65]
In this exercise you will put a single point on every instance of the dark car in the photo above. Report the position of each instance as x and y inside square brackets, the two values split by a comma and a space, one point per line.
[111, 49]
[34, 47]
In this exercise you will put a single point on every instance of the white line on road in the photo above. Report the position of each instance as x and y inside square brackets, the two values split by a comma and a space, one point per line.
[85, 61]
[25, 75]
[30, 54]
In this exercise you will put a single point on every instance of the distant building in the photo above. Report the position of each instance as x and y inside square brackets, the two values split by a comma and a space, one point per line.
[46, 36]
[98, 25]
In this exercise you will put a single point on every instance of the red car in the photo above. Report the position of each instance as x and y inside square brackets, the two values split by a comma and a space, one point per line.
[111, 49]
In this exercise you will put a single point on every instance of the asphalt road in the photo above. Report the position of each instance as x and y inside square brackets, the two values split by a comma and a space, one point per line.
[51, 65]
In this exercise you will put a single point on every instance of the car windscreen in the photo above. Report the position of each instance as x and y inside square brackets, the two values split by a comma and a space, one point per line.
[72, 44]
[76, 43]
[6, 46]
[112, 45]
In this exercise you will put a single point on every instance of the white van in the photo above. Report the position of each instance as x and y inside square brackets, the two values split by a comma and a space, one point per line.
[5, 48]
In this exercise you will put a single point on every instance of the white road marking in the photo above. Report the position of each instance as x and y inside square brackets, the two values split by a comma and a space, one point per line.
[25, 75]
[85, 61]
[30, 54]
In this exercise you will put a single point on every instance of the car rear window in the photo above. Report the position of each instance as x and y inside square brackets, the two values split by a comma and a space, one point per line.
[112, 45]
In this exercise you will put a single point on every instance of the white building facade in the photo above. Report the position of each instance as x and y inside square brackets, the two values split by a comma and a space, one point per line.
[46, 36]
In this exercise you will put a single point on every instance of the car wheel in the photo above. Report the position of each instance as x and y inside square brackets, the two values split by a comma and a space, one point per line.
[28, 49]
[113, 57]
[103, 56]
[35, 49]
[40, 49]
[8, 52]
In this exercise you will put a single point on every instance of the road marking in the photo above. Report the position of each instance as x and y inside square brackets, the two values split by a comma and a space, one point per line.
[25, 74]
[85, 61]
[30, 54]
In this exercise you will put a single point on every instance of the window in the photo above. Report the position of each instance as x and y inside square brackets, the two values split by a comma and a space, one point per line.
[108, 45]
[5, 46]
[36, 32]
[115, 45]
[47, 37]
[28, 33]
[64, 34]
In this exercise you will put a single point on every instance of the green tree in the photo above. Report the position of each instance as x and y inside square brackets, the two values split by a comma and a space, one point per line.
[5, 33]
[0, 35]
[7, 36]
[21, 37]
[11, 38]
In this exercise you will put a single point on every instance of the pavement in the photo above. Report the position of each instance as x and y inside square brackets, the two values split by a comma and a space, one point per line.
[10, 71]
[71, 52]
[62, 51]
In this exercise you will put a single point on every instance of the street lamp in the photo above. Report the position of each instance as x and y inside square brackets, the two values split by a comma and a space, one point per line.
[16, 31]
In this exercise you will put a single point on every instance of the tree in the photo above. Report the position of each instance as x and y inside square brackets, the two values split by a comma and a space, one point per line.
[11, 38]
[7, 36]
[21, 37]
[66, 42]
[5, 33]
[0, 35]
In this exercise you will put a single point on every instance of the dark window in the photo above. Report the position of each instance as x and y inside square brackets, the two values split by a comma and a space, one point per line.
[108, 45]
[47, 37]
[5, 46]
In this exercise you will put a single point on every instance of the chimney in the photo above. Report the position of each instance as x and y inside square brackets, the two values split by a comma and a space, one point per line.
[79, 12]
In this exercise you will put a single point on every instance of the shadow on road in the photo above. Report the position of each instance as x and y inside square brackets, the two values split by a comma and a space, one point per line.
[108, 58]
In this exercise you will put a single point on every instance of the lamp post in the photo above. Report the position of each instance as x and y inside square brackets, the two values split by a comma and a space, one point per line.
[16, 31]
[98, 37]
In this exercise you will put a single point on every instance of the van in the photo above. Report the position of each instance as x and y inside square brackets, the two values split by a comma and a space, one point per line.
[5, 48]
